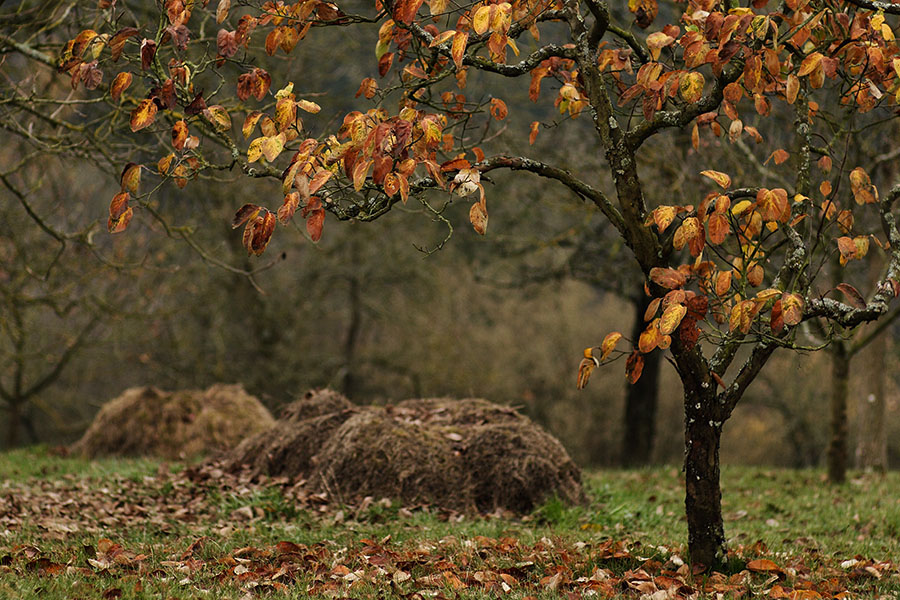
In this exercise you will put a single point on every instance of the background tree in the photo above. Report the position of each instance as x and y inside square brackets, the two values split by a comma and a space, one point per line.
[732, 275]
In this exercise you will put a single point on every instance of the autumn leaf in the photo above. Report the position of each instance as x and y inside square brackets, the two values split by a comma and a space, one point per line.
[315, 221]
[289, 207]
[721, 178]
[272, 146]
[458, 47]
[634, 365]
[609, 344]
[691, 87]
[245, 212]
[533, 132]
[852, 294]
[120, 213]
[218, 116]
[148, 51]
[585, 368]
[792, 308]
[121, 83]
[649, 338]
[667, 277]
[671, 318]
[131, 178]
[179, 135]
[144, 115]
[478, 217]
[861, 186]
[498, 109]
[763, 565]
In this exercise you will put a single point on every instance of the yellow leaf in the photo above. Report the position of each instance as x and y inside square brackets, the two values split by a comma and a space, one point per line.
[609, 344]
[481, 19]
[671, 318]
[272, 146]
[691, 87]
[255, 150]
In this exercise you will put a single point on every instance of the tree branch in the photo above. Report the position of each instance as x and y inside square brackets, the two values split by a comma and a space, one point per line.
[28, 51]
[679, 118]
[876, 5]
[750, 369]
[583, 190]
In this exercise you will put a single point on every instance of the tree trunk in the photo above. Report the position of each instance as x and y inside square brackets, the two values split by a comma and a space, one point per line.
[13, 411]
[351, 338]
[641, 400]
[840, 387]
[703, 497]
[871, 449]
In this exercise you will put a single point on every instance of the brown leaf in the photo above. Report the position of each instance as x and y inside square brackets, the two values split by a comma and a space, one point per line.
[585, 368]
[148, 51]
[244, 213]
[856, 299]
[667, 277]
[478, 216]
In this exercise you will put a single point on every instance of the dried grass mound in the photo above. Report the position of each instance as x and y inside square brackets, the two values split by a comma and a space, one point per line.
[288, 448]
[466, 455]
[145, 421]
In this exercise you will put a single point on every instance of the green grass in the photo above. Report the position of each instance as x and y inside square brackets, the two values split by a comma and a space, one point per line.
[55, 511]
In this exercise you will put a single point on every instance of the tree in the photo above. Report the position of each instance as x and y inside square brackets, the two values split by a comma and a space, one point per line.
[732, 276]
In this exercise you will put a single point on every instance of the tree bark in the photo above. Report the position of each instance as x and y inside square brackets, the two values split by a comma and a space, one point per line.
[840, 388]
[641, 400]
[703, 497]
[871, 449]
[13, 411]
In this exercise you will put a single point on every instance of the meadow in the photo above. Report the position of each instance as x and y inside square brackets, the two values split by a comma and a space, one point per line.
[141, 528]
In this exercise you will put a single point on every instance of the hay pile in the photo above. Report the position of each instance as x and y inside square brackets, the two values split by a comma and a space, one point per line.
[459, 454]
[145, 421]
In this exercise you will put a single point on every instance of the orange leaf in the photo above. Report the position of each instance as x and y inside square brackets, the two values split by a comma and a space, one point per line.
[763, 565]
[609, 344]
[120, 84]
[634, 366]
[498, 109]
[721, 178]
[131, 178]
[458, 48]
[315, 221]
[649, 338]
[671, 318]
[532, 136]
[143, 115]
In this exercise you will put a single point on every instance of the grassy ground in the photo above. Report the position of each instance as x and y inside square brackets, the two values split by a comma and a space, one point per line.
[141, 529]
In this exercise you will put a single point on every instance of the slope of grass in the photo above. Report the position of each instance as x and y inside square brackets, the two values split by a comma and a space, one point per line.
[122, 528]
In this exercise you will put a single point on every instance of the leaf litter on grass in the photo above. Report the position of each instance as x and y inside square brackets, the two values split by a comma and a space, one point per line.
[177, 536]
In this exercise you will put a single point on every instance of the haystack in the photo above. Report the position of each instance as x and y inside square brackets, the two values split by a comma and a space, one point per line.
[466, 454]
[145, 421]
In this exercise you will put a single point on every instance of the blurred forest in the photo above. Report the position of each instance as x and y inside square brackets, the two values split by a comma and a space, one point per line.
[382, 311]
